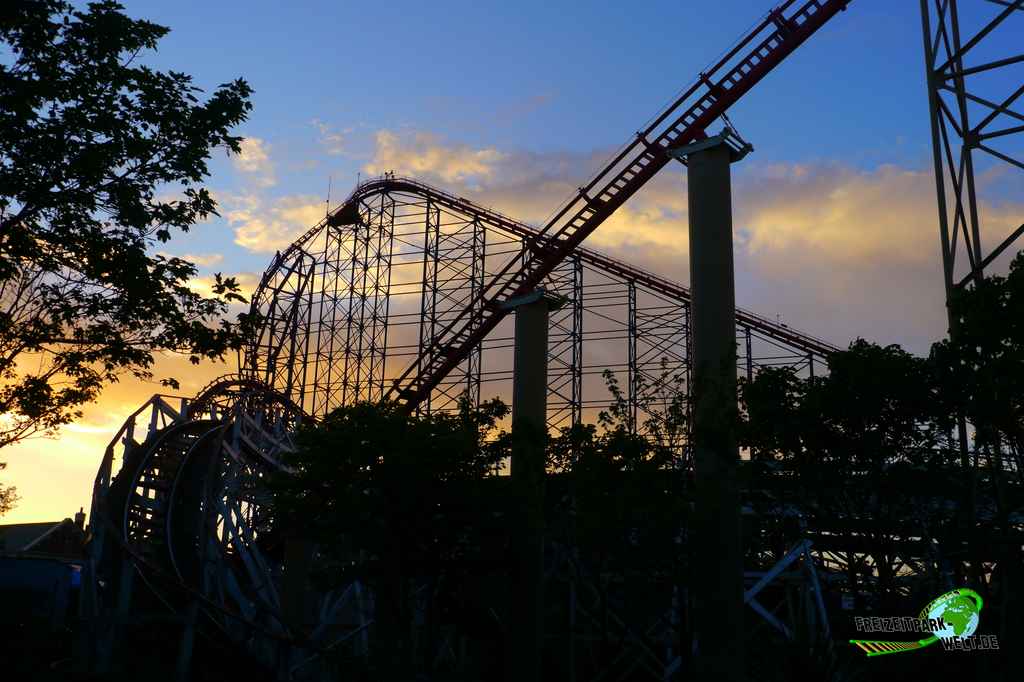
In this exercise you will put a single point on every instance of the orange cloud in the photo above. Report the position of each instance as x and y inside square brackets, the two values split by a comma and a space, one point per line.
[421, 153]
[203, 260]
[247, 282]
[839, 251]
[269, 228]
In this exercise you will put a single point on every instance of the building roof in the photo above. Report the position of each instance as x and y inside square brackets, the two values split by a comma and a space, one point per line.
[50, 538]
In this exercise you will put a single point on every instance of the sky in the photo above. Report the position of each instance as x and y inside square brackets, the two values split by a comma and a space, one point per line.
[514, 105]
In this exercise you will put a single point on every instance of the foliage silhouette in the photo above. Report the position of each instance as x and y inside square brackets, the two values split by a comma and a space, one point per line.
[981, 368]
[91, 146]
[393, 499]
[860, 448]
[8, 495]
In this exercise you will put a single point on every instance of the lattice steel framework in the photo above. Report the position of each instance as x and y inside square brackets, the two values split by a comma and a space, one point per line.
[366, 291]
[456, 322]
[974, 93]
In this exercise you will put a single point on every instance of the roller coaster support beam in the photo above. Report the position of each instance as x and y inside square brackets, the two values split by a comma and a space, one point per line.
[718, 571]
[529, 433]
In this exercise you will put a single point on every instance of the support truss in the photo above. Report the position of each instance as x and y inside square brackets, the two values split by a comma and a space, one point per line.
[974, 96]
[365, 293]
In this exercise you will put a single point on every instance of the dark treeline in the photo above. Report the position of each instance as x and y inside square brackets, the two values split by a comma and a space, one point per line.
[868, 451]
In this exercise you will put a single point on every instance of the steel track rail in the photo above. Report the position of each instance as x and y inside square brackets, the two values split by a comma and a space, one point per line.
[661, 285]
[716, 89]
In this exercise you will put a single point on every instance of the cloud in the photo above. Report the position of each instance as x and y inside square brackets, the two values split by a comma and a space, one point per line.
[837, 212]
[254, 160]
[522, 107]
[203, 260]
[845, 252]
[423, 154]
[333, 141]
[247, 282]
[834, 250]
[266, 227]
[528, 186]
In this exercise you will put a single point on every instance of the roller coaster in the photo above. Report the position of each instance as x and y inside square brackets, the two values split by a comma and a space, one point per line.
[398, 295]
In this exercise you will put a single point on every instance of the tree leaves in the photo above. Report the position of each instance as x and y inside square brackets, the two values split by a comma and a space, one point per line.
[8, 495]
[369, 476]
[876, 406]
[92, 144]
[981, 367]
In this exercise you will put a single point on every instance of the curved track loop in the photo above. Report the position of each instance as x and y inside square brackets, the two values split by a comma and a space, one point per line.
[194, 514]
[223, 394]
[235, 553]
[147, 510]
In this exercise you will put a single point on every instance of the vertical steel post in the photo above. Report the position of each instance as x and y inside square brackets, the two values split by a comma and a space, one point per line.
[750, 353]
[383, 253]
[328, 331]
[477, 281]
[108, 640]
[577, 341]
[187, 644]
[948, 241]
[633, 372]
[529, 419]
[718, 573]
[955, 139]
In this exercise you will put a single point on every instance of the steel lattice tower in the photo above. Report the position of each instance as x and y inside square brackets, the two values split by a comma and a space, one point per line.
[976, 117]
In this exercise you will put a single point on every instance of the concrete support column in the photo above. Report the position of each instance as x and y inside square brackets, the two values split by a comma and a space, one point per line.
[529, 431]
[718, 553]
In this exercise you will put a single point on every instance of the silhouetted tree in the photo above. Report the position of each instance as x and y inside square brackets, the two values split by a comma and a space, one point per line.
[101, 158]
[390, 498]
[626, 479]
[652, 437]
[851, 449]
[869, 412]
[981, 367]
[8, 495]
[980, 370]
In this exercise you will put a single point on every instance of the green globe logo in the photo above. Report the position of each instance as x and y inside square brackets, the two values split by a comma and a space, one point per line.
[959, 610]
[953, 616]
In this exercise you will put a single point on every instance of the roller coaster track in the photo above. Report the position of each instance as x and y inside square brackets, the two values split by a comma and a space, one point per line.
[718, 88]
[532, 235]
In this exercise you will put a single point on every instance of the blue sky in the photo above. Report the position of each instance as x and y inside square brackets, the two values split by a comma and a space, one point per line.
[515, 104]
[538, 78]
[549, 75]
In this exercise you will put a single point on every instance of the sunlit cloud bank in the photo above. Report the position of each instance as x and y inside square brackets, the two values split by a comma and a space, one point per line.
[835, 250]
[421, 153]
[333, 141]
[266, 226]
[202, 260]
[254, 161]
[247, 283]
